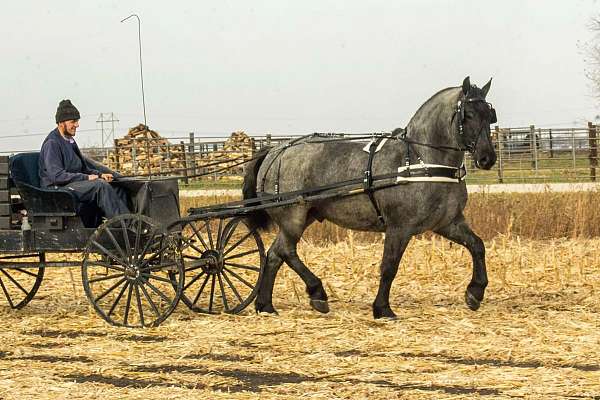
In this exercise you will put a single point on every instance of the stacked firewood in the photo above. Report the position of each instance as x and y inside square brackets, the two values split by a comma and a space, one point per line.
[237, 149]
[143, 151]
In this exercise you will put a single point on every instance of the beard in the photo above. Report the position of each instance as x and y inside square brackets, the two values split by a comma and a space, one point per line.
[69, 133]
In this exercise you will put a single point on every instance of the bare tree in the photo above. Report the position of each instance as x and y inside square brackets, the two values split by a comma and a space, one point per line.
[591, 51]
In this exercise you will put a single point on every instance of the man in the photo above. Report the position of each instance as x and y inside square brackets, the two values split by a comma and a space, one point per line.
[62, 165]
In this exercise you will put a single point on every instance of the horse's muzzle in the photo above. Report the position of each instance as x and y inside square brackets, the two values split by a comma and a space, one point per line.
[485, 161]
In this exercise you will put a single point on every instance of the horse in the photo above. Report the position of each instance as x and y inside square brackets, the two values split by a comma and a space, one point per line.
[451, 122]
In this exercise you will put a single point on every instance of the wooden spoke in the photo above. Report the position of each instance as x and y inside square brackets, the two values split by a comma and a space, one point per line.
[233, 289]
[8, 297]
[223, 295]
[139, 304]
[14, 281]
[104, 278]
[118, 298]
[209, 234]
[115, 243]
[152, 305]
[245, 237]
[127, 305]
[194, 279]
[239, 278]
[212, 294]
[242, 254]
[20, 284]
[199, 236]
[243, 266]
[201, 289]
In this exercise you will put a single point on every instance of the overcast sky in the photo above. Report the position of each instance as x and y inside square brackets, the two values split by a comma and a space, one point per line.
[282, 66]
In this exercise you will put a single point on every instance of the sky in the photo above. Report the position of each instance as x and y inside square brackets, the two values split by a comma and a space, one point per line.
[286, 67]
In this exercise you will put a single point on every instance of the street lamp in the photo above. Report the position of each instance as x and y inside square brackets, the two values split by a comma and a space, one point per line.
[141, 67]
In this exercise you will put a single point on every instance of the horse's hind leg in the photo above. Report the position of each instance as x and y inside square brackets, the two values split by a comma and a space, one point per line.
[314, 286]
[264, 298]
[395, 243]
[284, 249]
[292, 223]
[459, 232]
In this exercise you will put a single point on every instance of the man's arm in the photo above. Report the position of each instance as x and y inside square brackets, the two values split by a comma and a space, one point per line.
[54, 168]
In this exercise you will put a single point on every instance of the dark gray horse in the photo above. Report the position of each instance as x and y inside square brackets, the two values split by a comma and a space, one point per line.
[451, 121]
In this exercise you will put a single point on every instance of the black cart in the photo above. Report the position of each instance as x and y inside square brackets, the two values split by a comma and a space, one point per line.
[135, 267]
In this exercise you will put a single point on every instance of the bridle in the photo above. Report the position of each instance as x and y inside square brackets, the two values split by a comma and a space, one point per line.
[460, 112]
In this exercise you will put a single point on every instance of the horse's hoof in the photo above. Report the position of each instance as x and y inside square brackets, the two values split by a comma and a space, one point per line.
[321, 306]
[384, 313]
[471, 301]
[265, 309]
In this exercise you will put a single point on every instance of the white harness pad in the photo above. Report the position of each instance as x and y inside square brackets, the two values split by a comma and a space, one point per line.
[423, 166]
[366, 148]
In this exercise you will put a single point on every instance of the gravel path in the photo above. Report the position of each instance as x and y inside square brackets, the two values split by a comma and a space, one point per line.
[508, 187]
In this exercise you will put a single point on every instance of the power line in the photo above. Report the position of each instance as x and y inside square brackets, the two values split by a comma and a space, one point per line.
[24, 134]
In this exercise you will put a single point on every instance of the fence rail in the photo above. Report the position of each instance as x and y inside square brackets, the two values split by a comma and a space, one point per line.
[524, 154]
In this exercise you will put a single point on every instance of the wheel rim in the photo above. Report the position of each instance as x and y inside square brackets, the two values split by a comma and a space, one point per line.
[19, 285]
[131, 272]
[224, 262]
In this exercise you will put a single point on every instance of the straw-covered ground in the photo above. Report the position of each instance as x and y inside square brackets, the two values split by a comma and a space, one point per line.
[536, 336]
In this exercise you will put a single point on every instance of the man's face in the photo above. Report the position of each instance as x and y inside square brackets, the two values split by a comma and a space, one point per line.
[70, 127]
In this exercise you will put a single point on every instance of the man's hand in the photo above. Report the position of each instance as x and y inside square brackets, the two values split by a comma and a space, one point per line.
[92, 177]
[107, 177]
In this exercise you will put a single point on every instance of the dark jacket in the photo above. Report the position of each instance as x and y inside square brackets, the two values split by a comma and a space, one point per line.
[61, 162]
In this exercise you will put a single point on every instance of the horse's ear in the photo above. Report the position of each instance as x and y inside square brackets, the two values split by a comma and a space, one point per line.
[486, 88]
[466, 86]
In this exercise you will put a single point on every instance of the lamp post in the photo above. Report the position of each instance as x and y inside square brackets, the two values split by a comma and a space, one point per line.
[141, 65]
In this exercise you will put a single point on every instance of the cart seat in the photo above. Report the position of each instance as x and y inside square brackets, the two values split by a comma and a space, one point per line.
[42, 202]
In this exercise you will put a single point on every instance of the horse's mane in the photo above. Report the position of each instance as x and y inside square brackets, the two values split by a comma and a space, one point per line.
[474, 91]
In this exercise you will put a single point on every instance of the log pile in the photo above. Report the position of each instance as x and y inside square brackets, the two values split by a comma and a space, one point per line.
[238, 148]
[144, 151]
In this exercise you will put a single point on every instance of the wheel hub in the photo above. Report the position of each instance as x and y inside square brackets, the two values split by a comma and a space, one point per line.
[131, 272]
[214, 262]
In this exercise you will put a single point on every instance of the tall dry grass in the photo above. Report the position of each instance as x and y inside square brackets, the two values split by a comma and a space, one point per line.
[545, 215]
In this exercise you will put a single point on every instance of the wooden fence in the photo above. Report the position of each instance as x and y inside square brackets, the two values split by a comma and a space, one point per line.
[524, 154]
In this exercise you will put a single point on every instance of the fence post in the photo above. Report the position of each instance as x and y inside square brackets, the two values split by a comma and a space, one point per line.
[148, 154]
[268, 139]
[592, 133]
[192, 149]
[185, 163]
[500, 141]
[551, 146]
[533, 144]
[573, 149]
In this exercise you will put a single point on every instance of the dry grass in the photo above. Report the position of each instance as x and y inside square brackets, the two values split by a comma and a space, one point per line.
[536, 336]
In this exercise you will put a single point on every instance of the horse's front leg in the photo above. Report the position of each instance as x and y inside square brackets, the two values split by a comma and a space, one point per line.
[459, 232]
[395, 243]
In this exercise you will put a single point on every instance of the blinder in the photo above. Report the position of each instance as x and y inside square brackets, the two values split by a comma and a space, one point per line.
[460, 108]
[493, 118]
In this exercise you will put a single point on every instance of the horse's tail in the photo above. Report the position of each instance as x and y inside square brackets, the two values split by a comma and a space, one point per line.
[258, 219]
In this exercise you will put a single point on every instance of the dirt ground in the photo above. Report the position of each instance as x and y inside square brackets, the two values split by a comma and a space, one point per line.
[536, 335]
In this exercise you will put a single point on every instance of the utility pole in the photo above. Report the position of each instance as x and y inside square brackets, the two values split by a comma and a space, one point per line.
[108, 133]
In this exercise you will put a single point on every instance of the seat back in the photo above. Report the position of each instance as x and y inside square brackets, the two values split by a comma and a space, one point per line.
[24, 168]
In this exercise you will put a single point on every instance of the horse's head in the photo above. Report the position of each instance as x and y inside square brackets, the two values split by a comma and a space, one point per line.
[473, 118]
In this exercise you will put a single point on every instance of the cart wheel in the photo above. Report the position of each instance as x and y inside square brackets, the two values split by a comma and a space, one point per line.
[20, 283]
[132, 273]
[224, 262]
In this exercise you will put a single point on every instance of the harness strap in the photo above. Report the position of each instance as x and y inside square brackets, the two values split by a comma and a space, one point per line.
[368, 178]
